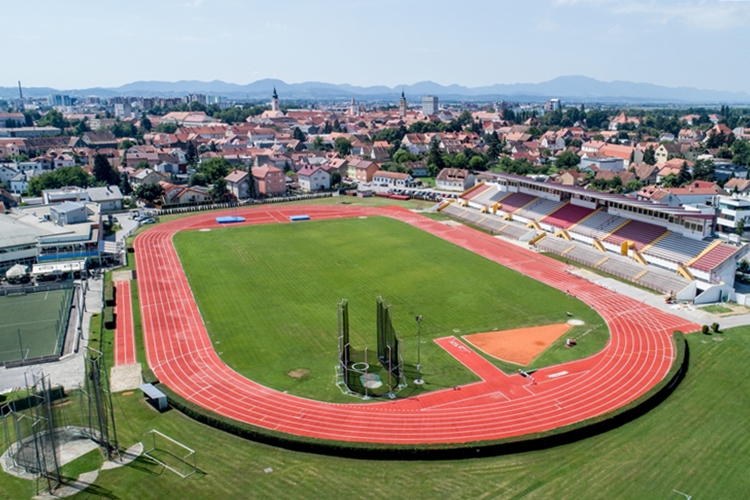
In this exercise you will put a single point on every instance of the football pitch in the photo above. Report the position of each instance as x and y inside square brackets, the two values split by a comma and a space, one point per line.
[268, 296]
[30, 324]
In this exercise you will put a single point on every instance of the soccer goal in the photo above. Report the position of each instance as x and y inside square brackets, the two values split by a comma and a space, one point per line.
[169, 453]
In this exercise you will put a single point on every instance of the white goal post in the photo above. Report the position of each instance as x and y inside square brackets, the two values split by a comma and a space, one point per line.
[171, 447]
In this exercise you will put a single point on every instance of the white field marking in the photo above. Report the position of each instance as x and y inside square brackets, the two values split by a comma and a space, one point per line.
[558, 374]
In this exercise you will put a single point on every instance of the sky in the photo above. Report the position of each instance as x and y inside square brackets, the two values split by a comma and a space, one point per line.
[107, 43]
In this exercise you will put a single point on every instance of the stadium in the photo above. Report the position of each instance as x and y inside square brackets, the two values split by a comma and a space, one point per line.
[481, 400]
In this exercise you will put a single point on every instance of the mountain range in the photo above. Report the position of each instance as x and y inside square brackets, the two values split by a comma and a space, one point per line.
[569, 88]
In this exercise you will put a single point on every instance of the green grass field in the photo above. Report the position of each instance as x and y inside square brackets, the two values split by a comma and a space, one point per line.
[697, 441]
[268, 296]
[34, 317]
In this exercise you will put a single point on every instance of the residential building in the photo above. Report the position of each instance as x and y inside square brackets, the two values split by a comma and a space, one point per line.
[313, 178]
[391, 179]
[238, 183]
[109, 198]
[269, 180]
[454, 179]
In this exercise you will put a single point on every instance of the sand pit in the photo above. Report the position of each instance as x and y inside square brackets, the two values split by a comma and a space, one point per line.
[518, 346]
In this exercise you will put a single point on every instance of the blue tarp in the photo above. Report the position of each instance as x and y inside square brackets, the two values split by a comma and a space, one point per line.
[228, 219]
[295, 218]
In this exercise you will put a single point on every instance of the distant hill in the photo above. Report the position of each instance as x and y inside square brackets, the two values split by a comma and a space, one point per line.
[570, 88]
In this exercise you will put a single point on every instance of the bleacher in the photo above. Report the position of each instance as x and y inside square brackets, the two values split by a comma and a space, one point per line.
[586, 255]
[621, 268]
[567, 216]
[553, 245]
[513, 232]
[640, 233]
[489, 196]
[473, 217]
[516, 201]
[539, 209]
[714, 257]
[598, 225]
[453, 210]
[494, 223]
[677, 248]
[662, 282]
[476, 192]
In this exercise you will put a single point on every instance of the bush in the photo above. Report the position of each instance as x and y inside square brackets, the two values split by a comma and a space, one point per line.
[109, 318]
[704, 329]
[715, 327]
[109, 293]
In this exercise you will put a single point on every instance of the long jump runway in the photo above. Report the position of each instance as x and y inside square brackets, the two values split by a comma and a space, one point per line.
[179, 350]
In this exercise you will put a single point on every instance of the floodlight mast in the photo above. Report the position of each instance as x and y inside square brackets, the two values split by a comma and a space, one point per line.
[419, 380]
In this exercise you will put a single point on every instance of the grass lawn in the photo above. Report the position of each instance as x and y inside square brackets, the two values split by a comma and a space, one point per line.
[697, 442]
[268, 296]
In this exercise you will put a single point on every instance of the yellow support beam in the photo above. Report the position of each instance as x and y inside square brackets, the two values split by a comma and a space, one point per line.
[704, 252]
[536, 238]
[683, 270]
[657, 240]
[534, 225]
[638, 257]
[598, 245]
[562, 233]
[483, 210]
[587, 217]
[605, 259]
[445, 205]
[482, 219]
[508, 217]
[639, 275]
[571, 247]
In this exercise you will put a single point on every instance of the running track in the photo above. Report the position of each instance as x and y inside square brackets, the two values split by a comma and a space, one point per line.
[124, 333]
[638, 355]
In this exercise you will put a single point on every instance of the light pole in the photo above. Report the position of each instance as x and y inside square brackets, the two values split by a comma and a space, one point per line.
[418, 380]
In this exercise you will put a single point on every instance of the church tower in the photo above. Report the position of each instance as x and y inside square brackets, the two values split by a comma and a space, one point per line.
[275, 101]
[402, 106]
[353, 109]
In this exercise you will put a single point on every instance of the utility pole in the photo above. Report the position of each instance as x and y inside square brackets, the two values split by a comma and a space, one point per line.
[418, 380]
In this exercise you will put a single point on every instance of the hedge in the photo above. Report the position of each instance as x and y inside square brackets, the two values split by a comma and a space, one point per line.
[109, 318]
[109, 293]
[378, 451]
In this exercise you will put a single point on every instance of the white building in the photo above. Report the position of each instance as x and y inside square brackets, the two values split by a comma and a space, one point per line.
[313, 179]
[454, 179]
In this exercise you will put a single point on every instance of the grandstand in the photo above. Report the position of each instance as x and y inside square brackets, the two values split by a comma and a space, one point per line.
[566, 216]
[676, 248]
[489, 197]
[713, 257]
[515, 202]
[539, 209]
[598, 225]
[640, 233]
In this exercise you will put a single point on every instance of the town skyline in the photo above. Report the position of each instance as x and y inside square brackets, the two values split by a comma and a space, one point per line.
[385, 44]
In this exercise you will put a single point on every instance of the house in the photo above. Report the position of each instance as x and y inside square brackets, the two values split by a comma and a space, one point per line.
[313, 178]
[238, 183]
[269, 180]
[571, 177]
[103, 139]
[666, 152]
[418, 168]
[627, 153]
[362, 170]
[67, 193]
[622, 119]
[7, 172]
[147, 175]
[416, 143]
[602, 162]
[738, 186]
[608, 175]
[108, 198]
[698, 192]
[645, 173]
[186, 195]
[391, 179]
[454, 179]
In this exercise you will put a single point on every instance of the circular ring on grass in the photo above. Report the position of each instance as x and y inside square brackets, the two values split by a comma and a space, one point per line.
[361, 367]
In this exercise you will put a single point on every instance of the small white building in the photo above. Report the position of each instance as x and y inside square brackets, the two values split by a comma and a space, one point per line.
[454, 179]
[312, 178]
[391, 179]
[108, 198]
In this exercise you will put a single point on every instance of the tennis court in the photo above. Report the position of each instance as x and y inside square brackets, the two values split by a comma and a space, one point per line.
[33, 324]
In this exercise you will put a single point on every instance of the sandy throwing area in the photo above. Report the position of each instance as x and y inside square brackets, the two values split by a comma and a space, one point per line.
[518, 346]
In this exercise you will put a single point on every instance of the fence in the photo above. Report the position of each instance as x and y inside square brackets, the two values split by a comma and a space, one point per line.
[186, 208]
[26, 289]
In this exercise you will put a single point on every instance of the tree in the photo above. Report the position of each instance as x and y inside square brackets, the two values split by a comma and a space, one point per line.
[634, 185]
[477, 163]
[65, 176]
[166, 128]
[404, 155]
[740, 228]
[435, 161]
[741, 150]
[125, 188]
[715, 327]
[704, 329]
[335, 179]
[125, 144]
[299, 134]
[149, 192]
[704, 170]
[219, 191]
[342, 146]
[103, 171]
[669, 181]
[145, 123]
[214, 169]
[317, 143]
[684, 176]
[53, 118]
[191, 154]
[649, 156]
[81, 127]
[567, 159]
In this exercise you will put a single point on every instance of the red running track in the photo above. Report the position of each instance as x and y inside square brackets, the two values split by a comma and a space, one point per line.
[638, 355]
[124, 332]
